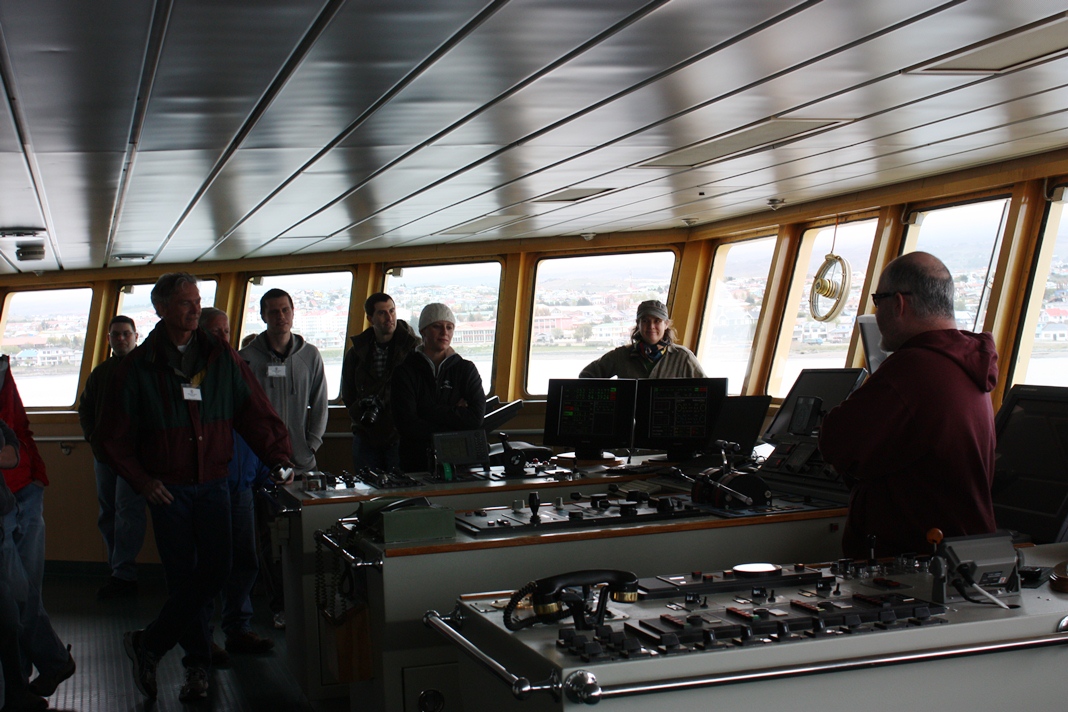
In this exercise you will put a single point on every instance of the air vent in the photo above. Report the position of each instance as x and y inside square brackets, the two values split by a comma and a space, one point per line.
[762, 136]
[29, 251]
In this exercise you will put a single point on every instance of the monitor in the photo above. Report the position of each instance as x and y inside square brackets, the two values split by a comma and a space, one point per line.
[497, 415]
[741, 418]
[1030, 490]
[872, 341]
[830, 385]
[677, 415]
[590, 415]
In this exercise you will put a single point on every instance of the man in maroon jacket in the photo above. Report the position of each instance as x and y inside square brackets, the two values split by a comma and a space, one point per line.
[917, 439]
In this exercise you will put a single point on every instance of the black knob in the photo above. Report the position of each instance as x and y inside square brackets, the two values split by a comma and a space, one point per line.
[534, 500]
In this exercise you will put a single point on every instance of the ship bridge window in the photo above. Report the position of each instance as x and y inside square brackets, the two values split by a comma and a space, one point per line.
[735, 297]
[44, 338]
[1042, 355]
[585, 306]
[320, 314]
[806, 342]
[471, 290]
[967, 239]
[135, 301]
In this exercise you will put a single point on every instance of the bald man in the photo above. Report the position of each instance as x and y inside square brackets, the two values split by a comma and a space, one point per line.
[917, 439]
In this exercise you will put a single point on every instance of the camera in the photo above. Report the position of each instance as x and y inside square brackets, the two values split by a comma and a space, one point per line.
[372, 408]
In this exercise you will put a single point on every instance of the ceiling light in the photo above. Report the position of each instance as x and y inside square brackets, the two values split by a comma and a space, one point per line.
[131, 257]
[482, 224]
[570, 195]
[1009, 50]
[689, 222]
[776, 203]
[588, 236]
[760, 137]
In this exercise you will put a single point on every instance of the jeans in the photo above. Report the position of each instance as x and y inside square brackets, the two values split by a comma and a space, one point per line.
[38, 642]
[194, 543]
[368, 454]
[29, 533]
[122, 521]
[13, 681]
[237, 592]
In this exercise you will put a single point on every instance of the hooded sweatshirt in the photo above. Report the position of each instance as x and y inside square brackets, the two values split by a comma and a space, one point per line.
[298, 394]
[917, 441]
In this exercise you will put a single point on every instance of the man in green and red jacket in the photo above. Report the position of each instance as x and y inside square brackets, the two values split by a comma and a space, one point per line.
[167, 428]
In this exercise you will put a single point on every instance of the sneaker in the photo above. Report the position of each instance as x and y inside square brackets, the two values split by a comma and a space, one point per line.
[144, 662]
[45, 684]
[116, 588]
[196, 685]
[245, 641]
[280, 620]
[219, 657]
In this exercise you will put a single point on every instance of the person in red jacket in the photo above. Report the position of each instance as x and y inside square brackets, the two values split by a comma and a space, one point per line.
[23, 540]
[917, 439]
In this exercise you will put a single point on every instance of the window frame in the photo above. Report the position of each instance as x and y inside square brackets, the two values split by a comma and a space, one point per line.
[535, 259]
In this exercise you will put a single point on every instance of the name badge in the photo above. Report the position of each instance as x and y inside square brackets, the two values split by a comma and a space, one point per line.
[191, 393]
[276, 370]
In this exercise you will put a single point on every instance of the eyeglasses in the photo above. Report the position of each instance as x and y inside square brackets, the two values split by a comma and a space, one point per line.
[876, 296]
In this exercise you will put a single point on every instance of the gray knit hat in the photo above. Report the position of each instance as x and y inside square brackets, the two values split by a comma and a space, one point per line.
[652, 307]
[435, 312]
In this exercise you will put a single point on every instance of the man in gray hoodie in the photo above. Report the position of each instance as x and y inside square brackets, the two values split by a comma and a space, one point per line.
[291, 372]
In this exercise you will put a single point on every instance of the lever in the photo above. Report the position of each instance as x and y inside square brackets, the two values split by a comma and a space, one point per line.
[534, 500]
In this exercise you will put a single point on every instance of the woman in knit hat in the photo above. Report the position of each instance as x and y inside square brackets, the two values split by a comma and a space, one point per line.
[434, 390]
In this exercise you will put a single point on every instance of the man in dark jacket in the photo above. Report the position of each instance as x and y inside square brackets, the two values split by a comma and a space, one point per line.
[435, 390]
[167, 428]
[122, 520]
[365, 377]
[918, 437]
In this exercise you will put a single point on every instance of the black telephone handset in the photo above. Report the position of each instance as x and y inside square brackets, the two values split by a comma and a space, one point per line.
[553, 599]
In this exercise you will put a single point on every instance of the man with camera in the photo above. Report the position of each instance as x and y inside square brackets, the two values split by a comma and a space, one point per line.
[365, 377]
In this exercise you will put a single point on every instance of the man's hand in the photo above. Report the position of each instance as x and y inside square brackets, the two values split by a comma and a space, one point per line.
[283, 472]
[156, 493]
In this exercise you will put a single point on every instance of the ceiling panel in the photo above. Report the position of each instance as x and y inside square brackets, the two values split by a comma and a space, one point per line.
[219, 129]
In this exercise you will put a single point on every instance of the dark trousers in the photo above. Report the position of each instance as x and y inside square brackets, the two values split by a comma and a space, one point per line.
[194, 542]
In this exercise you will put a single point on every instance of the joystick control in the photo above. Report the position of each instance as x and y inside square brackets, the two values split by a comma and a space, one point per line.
[534, 500]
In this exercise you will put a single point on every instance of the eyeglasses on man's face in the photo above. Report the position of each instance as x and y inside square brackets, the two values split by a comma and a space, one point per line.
[876, 297]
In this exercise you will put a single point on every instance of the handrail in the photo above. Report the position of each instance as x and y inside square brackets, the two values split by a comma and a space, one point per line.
[350, 559]
[581, 686]
[521, 687]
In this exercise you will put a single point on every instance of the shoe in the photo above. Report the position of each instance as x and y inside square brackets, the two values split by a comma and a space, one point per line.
[196, 685]
[144, 662]
[246, 641]
[25, 702]
[280, 620]
[116, 588]
[219, 657]
[45, 684]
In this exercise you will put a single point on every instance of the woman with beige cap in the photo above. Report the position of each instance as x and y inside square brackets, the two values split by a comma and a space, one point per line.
[652, 352]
